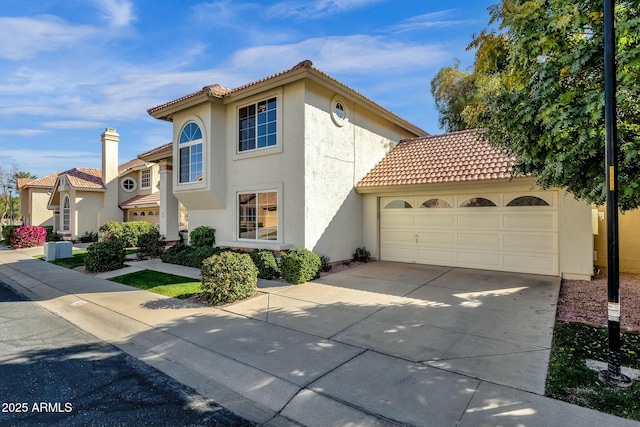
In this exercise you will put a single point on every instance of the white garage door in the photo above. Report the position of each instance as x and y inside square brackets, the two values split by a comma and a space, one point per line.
[506, 232]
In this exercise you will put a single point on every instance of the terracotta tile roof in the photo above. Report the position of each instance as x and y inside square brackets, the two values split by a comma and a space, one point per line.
[85, 178]
[163, 149]
[45, 181]
[220, 92]
[450, 157]
[142, 201]
[131, 164]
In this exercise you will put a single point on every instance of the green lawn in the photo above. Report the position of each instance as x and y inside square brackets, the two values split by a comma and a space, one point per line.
[570, 380]
[161, 283]
[77, 259]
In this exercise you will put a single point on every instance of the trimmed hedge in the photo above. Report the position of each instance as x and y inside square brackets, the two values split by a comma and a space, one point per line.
[28, 236]
[266, 264]
[228, 277]
[150, 244]
[299, 265]
[104, 256]
[188, 255]
[202, 236]
[7, 230]
[127, 232]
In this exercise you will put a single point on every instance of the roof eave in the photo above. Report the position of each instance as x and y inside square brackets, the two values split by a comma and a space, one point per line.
[166, 111]
[437, 186]
[156, 157]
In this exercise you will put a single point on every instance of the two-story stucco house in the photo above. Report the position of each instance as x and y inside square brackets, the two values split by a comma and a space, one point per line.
[298, 159]
[82, 199]
[273, 164]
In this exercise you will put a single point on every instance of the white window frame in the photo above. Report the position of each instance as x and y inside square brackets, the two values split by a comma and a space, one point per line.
[145, 178]
[190, 146]
[262, 151]
[129, 190]
[278, 226]
[66, 213]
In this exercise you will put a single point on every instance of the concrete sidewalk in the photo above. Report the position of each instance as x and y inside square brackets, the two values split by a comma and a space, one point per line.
[288, 357]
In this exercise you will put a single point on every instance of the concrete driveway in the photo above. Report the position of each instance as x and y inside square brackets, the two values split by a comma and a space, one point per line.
[488, 325]
[380, 344]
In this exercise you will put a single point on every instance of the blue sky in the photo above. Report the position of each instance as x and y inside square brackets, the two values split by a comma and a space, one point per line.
[69, 69]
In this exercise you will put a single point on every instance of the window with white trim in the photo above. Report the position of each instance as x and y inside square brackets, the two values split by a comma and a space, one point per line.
[258, 215]
[145, 179]
[66, 213]
[190, 154]
[257, 125]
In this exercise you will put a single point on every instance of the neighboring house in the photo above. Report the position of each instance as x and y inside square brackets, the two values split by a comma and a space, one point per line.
[273, 164]
[628, 240]
[451, 200]
[300, 160]
[34, 197]
[82, 199]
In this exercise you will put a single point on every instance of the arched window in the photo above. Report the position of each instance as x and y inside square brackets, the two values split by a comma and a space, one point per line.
[398, 204]
[528, 201]
[477, 202]
[435, 203]
[190, 153]
[66, 213]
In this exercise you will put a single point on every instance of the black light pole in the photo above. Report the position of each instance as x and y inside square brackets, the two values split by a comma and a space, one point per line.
[10, 188]
[612, 376]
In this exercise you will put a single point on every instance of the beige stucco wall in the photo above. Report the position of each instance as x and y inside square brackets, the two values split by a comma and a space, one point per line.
[576, 238]
[628, 240]
[575, 242]
[230, 173]
[33, 207]
[87, 206]
[337, 156]
[313, 168]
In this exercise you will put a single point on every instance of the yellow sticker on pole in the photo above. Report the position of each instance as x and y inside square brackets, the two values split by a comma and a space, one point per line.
[612, 185]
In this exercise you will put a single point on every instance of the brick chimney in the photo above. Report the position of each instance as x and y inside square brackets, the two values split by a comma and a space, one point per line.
[110, 139]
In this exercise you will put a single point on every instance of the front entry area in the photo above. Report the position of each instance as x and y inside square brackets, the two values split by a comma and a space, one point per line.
[515, 232]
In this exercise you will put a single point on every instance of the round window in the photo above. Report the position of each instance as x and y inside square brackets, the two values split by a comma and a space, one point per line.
[338, 111]
[128, 184]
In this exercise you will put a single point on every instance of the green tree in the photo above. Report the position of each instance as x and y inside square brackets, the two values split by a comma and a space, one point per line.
[453, 90]
[547, 104]
[458, 94]
[8, 191]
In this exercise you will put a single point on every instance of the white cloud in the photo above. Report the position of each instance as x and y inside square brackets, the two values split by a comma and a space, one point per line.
[28, 133]
[223, 13]
[358, 54]
[119, 13]
[43, 162]
[71, 124]
[427, 21]
[22, 38]
[308, 10]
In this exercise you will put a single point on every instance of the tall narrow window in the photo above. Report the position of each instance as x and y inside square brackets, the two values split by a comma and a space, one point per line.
[66, 214]
[258, 216]
[190, 153]
[257, 125]
[145, 179]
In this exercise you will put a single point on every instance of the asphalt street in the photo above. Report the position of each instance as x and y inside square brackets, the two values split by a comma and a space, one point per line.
[53, 373]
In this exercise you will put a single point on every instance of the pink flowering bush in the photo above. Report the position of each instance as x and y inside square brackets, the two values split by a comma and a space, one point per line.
[28, 236]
